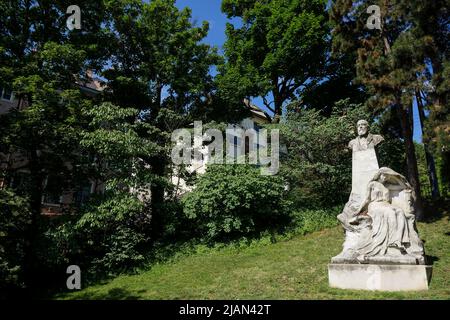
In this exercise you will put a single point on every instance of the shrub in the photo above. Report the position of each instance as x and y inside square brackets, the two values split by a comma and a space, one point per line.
[307, 221]
[107, 237]
[14, 219]
[230, 201]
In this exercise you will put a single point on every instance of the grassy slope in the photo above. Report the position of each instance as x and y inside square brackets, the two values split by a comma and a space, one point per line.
[294, 269]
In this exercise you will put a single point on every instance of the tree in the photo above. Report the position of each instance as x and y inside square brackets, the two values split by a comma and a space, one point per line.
[430, 22]
[337, 84]
[432, 175]
[156, 71]
[159, 67]
[391, 63]
[277, 52]
[14, 219]
[41, 62]
[109, 232]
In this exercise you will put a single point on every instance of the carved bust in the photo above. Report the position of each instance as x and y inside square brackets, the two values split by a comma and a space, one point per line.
[365, 140]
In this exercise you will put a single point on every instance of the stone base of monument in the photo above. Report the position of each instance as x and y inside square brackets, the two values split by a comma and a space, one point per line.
[375, 277]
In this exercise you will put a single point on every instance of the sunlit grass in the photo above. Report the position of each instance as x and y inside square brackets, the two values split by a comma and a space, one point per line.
[292, 269]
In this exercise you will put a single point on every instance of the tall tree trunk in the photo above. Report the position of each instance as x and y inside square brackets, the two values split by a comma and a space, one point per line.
[278, 108]
[30, 272]
[158, 165]
[445, 173]
[411, 159]
[429, 157]
[157, 190]
[407, 132]
[277, 116]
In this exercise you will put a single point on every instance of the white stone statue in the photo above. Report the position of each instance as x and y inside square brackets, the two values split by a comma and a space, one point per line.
[365, 140]
[365, 163]
[379, 217]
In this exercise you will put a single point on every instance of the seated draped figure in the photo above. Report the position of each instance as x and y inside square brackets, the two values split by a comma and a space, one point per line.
[382, 228]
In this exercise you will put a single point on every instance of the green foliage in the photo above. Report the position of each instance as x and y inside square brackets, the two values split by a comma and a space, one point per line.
[443, 165]
[14, 220]
[156, 46]
[404, 60]
[279, 48]
[318, 163]
[423, 172]
[389, 61]
[157, 72]
[308, 221]
[236, 200]
[391, 154]
[293, 270]
[106, 237]
[118, 141]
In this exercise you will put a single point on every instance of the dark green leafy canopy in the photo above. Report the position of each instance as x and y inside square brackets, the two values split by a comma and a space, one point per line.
[157, 59]
[279, 48]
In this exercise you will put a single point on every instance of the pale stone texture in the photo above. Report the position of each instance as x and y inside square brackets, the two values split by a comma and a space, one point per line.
[380, 231]
[364, 167]
[375, 277]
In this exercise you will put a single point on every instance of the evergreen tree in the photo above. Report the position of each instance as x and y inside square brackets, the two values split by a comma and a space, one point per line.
[391, 63]
[430, 22]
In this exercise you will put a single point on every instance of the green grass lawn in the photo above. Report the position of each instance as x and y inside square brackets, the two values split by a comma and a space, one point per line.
[293, 269]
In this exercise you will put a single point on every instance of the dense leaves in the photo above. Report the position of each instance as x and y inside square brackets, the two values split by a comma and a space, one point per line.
[278, 50]
[318, 163]
[236, 200]
[107, 236]
[14, 219]
[154, 73]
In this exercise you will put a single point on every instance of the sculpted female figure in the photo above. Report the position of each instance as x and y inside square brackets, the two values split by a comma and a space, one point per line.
[392, 226]
[389, 224]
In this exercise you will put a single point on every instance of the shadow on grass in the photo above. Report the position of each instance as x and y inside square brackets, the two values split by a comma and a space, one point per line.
[430, 260]
[112, 294]
[436, 210]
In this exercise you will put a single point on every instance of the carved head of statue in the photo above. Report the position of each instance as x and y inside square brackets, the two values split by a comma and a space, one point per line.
[382, 178]
[379, 192]
[363, 127]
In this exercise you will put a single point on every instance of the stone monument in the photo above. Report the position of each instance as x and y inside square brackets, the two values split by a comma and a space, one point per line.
[382, 249]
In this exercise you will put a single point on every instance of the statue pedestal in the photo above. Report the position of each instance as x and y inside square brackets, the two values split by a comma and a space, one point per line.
[375, 277]
[364, 167]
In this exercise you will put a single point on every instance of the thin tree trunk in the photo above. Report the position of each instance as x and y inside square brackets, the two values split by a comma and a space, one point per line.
[434, 183]
[411, 159]
[32, 232]
[407, 131]
[157, 196]
[278, 108]
[158, 165]
[277, 116]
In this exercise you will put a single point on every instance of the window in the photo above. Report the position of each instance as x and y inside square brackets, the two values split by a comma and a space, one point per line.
[53, 191]
[20, 182]
[82, 195]
[6, 94]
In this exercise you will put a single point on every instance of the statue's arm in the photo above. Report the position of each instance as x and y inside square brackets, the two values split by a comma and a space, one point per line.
[378, 139]
[350, 145]
[366, 200]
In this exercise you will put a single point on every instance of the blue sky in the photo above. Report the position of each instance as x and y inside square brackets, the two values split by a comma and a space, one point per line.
[209, 10]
